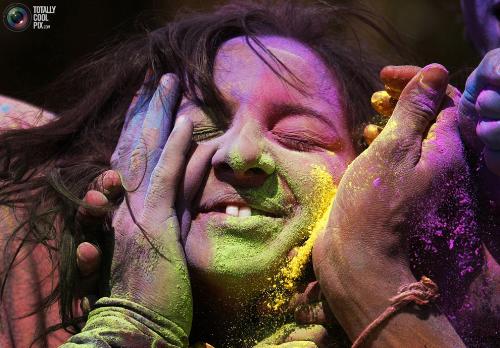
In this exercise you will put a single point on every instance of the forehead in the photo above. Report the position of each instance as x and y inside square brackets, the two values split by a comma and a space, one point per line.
[241, 71]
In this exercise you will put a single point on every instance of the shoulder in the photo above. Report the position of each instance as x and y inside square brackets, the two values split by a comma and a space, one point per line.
[15, 114]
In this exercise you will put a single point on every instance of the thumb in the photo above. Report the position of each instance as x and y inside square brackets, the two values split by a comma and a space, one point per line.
[396, 77]
[416, 109]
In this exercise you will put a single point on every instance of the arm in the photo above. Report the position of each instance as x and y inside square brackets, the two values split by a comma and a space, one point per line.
[362, 258]
[121, 323]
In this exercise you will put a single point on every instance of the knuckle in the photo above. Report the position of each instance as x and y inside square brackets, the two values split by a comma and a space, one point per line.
[489, 68]
[403, 154]
[137, 158]
[419, 108]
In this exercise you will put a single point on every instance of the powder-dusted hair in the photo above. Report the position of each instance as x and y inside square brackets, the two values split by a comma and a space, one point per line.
[44, 170]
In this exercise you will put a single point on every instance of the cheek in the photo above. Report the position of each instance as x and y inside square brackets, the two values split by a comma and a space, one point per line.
[337, 164]
[297, 168]
[198, 247]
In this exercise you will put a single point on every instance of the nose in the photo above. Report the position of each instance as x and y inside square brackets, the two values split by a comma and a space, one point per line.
[241, 159]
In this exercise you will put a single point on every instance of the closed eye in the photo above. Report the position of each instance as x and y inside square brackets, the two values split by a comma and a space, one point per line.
[299, 141]
[205, 133]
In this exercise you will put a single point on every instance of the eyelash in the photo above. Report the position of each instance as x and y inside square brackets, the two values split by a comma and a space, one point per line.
[294, 143]
[205, 134]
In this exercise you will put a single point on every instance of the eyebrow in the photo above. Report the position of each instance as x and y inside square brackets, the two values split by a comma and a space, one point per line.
[290, 109]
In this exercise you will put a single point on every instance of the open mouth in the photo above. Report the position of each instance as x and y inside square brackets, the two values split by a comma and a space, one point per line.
[269, 201]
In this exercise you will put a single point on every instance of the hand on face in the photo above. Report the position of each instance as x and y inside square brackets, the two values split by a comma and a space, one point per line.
[365, 241]
[148, 265]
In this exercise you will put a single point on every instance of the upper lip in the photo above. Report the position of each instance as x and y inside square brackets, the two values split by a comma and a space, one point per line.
[221, 200]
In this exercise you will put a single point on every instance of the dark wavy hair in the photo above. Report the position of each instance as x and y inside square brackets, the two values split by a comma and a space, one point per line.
[45, 170]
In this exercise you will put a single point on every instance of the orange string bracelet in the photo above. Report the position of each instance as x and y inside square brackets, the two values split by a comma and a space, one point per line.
[421, 293]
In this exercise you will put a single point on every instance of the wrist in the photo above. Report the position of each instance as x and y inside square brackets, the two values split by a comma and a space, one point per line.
[358, 300]
[356, 292]
[118, 322]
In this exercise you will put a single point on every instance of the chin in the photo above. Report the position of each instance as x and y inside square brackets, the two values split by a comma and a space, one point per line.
[243, 282]
[238, 258]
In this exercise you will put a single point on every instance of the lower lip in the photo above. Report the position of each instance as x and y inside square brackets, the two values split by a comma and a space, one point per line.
[256, 227]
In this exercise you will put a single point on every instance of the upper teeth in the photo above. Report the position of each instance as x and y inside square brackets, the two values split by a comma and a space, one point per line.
[234, 210]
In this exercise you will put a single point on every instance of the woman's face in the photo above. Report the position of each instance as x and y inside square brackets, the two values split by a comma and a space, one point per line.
[283, 152]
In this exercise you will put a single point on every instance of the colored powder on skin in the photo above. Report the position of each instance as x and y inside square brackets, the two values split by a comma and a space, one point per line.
[236, 161]
[5, 108]
[244, 238]
[323, 195]
[238, 236]
[235, 241]
[264, 162]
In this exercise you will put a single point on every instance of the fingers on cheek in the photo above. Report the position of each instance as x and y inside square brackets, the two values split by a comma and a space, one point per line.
[197, 169]
[163, 183]
[167, 173]
[135, 166]
[169, 89]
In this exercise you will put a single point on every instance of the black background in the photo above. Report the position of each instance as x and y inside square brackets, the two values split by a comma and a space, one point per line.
[29, 60]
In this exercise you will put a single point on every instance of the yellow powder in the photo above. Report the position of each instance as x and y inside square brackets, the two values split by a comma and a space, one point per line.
[323, 194]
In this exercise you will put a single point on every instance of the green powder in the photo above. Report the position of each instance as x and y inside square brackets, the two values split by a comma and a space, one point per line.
[264, 162]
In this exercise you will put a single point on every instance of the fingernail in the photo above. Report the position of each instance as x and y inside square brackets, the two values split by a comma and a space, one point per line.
[85, 305]
[434, 76]
[95, 198]
[111, 180]
[81, 255]
[83, 250]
